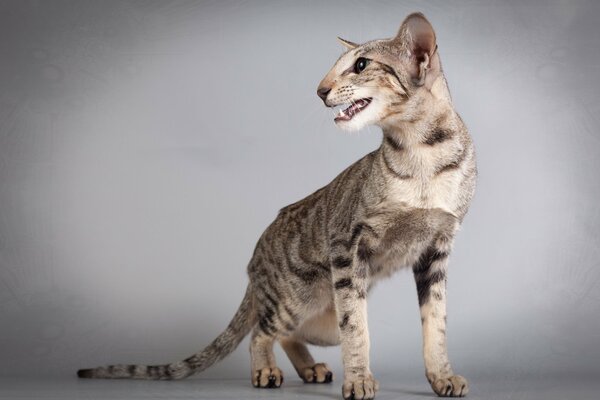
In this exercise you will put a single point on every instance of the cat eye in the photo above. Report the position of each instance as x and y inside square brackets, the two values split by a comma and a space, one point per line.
[361, 64]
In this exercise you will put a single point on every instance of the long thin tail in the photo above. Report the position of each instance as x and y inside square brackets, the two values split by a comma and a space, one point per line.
[223, 345]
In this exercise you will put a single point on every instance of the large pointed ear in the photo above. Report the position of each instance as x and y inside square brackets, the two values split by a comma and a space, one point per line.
[347, 44]
[417, 38]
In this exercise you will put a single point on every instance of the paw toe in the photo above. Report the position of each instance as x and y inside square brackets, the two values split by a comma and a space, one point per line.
[360, 389]
[453, 386]
[318, 373]
[269, 378]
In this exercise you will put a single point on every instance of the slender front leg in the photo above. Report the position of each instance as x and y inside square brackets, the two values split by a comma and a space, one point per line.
[430, 276]
[350, 275]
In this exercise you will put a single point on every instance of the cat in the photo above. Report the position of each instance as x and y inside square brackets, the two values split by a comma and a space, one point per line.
[399, 206]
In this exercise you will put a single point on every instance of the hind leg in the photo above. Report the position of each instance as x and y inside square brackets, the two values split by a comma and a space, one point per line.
[307, 369]
[265, 373]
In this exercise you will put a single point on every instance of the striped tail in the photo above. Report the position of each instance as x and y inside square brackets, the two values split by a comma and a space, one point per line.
[222, 346]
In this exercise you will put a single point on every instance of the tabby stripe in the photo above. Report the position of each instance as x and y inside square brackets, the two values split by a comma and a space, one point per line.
[269, 298]
[437, 136]
[265, 327]
[269, 313]
[453, 165]
[306, 276]
[342, 262]
[392, 171]
[344, 321]
[343, 283]
[356, 231]
[315, 264]
[392, 72]
[291, 314]
[424, 283]
[192, 361]
[393, 144]
[428, 257]
[364, 252]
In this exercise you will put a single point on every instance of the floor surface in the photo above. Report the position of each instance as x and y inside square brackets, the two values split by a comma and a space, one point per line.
[67, 388]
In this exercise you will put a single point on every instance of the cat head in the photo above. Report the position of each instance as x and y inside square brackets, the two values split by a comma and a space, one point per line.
[383, 81]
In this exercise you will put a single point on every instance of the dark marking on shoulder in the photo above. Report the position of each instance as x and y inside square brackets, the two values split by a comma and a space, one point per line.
[393, 144]
[342, 262]
[437, 136]
[343, 283]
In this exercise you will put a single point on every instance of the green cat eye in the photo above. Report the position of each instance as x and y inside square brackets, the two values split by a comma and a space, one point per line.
[361, 64]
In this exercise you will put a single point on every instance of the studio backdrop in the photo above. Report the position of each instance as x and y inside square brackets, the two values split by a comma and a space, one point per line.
[145, 146]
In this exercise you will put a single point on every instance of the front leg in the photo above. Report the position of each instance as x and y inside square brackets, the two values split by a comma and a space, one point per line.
[430, 276]
[350, 275]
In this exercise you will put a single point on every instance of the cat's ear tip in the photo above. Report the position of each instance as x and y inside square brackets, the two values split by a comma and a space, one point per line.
[415, 15]
[347, 44]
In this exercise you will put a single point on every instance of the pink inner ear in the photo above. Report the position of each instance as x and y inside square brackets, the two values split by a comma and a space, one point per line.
[423, 44]
[417, 29]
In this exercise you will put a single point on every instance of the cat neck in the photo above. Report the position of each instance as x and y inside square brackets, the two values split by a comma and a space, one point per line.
[413, 148]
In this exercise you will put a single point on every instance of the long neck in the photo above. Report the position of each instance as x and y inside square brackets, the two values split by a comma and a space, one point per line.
[415, 146]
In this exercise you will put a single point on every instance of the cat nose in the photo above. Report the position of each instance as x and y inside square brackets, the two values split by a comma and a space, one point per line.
[322, 92]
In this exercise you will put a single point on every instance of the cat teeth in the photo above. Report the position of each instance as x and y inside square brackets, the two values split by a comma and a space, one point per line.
[353, 108]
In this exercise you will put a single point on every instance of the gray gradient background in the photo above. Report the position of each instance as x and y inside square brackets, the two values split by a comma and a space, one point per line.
[144, 147]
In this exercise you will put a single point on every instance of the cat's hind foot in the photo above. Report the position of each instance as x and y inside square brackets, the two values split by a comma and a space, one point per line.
[267, 378]
[318, 373]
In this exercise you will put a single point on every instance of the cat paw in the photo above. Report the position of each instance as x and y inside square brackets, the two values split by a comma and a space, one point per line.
[453, 386]
[360, 389]
[268, 378]
[318, 373]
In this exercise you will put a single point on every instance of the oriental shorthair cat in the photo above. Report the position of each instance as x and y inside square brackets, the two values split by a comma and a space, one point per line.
[399, 206]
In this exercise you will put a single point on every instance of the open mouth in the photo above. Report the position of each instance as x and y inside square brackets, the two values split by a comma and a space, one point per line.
[355, 107]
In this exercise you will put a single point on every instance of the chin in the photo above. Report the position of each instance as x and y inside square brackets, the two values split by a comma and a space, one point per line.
[352, 125]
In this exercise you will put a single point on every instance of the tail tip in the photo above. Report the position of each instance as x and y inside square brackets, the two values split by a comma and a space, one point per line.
[85, 373]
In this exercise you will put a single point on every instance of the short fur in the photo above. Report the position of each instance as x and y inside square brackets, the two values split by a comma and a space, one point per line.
[399, 206]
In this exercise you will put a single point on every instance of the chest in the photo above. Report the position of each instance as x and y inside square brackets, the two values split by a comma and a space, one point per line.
[427, 191]
[433, 176]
